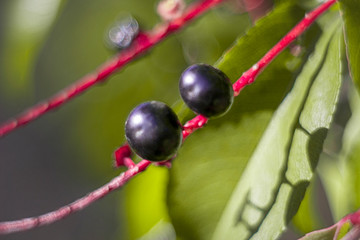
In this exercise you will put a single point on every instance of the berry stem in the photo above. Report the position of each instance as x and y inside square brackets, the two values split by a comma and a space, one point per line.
[195, 123]
[129, 163]
[143, 42]
[249, 76]
[48, 218]
[120, 156]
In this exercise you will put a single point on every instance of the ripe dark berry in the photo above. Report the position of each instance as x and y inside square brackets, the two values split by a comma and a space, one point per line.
[206, 90]
[153, 131]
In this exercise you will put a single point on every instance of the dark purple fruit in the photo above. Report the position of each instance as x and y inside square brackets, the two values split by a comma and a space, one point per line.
[153, 131]
[206, 90]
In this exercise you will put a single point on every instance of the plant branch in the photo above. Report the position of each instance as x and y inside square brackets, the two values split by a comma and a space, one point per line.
[249, 76]
[189, 127]
[48, 218]
[143, 42]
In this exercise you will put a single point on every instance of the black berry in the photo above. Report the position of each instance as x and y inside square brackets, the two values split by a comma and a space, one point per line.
[153, 131]
[206, 90]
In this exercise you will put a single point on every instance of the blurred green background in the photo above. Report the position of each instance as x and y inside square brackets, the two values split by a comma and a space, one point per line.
[45, 45]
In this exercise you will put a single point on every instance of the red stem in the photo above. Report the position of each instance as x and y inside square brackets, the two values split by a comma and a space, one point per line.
[249, 76]
[143, 42]
[29, 223]
[197, 122]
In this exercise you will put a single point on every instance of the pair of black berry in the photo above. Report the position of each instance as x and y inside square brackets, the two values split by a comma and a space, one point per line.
[154, 131]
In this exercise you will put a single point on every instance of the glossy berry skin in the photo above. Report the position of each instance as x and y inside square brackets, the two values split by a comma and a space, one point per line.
[206, 90]
[153, 131]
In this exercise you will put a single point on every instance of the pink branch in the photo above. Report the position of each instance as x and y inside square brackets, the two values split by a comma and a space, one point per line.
[29, 223]
[143, 42]
[249, 76]
[122, 154]
[193, 124]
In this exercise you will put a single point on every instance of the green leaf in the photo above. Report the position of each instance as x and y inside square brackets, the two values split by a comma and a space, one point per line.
[307, 218]
[323, 234]
[211, 161]
[350, 13]
[274, 183]
[341, 178]
[333, 232]
[144, 194]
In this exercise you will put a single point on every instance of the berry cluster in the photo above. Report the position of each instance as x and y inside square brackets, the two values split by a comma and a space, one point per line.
[154, 131]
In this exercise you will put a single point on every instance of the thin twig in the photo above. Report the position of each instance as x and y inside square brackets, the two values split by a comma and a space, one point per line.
[143, 42]
[249, 76]
[48, 218]
[196, 123]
